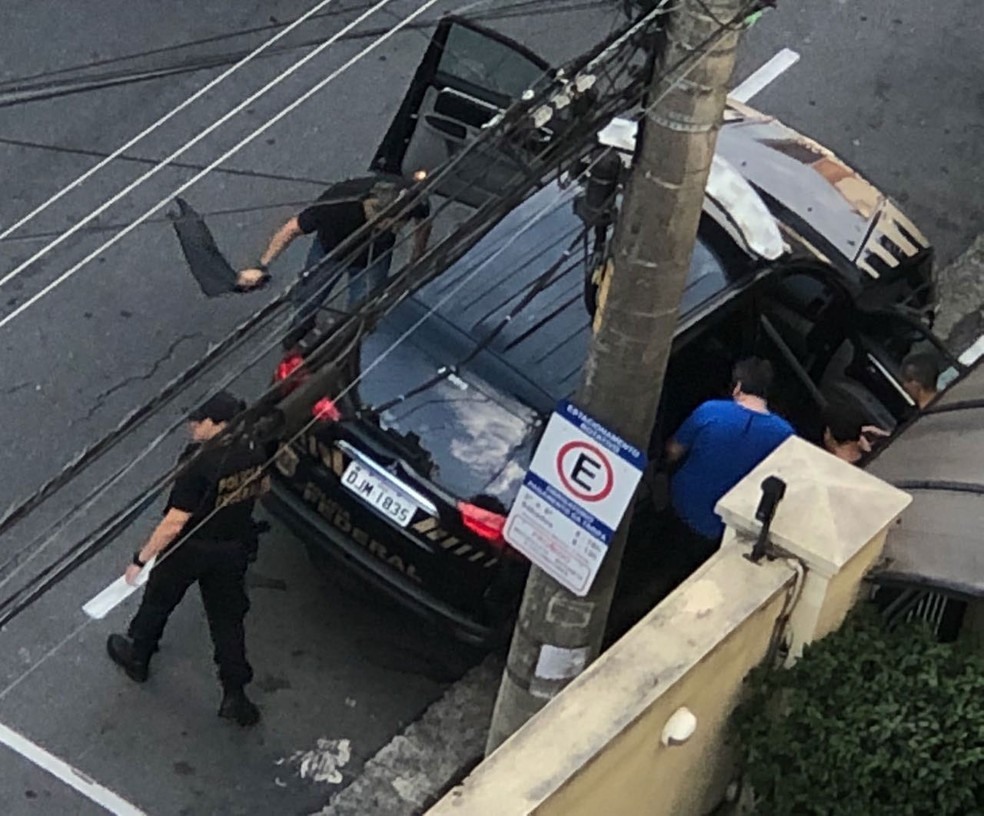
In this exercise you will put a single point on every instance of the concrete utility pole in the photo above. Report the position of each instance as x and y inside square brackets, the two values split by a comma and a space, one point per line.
[623, 375]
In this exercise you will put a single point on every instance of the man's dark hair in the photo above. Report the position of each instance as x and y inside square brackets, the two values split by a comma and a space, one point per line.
[754, 376]
[844, 421]
[922, 368]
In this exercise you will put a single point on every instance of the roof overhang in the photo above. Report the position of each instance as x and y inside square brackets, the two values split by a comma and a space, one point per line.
[938, 542]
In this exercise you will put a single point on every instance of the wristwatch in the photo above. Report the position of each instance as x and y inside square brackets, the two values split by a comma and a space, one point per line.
[137, 561]
[262, 267]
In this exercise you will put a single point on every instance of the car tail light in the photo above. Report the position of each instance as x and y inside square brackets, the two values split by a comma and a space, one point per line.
[326, 410]
[486, 524]
[286, 367]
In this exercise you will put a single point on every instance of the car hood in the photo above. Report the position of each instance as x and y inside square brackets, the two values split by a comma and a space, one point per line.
[815, 194]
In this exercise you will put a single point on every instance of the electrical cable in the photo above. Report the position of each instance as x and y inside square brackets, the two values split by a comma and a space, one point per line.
[11, 607]
[559, 198]
[352, 245]
[33, 554]
[104, 487]
[27, 672]
[191, 143]
[22, 91]
[161, 121]
[86, 503]
[243, 60]
[21, 81]
[101, 154]
[44, 491]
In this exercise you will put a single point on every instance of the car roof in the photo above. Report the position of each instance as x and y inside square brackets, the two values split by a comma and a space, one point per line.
[546, 338]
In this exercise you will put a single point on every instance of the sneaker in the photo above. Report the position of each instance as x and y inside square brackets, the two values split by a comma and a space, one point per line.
[237, 706]
[121, 652]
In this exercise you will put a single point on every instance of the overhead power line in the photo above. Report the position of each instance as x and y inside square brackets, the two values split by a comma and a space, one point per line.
[68, 568]
[162, 120]
[346, 251]
[408, 280]
[33, 88]
[195, 140]
[132, 421]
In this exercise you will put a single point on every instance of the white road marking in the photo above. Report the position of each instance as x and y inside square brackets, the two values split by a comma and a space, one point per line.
[765, 75]
[72, 777]
[974, 353]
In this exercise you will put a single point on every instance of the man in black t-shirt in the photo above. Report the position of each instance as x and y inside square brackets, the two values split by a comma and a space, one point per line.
[203, 537]
[338, 213]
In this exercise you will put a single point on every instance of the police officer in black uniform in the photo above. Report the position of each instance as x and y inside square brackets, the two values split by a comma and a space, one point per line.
[211, 503]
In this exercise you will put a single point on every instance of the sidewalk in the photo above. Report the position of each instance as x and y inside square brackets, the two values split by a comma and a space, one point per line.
[959, 284]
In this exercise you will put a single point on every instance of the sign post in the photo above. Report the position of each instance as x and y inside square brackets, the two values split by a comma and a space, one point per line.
[578, 486]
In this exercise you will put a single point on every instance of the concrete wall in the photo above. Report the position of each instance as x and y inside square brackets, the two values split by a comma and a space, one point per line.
[596, 750]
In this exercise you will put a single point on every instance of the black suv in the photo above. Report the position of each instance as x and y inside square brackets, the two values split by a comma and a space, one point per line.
[407, 479]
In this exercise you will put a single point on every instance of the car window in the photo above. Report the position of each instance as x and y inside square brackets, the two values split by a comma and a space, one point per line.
[488, 63]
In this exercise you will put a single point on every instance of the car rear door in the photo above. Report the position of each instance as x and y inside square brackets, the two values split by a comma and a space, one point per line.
[812, 331]
[468, 76]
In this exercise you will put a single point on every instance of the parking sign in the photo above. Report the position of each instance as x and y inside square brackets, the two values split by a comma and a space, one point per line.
[578, 486]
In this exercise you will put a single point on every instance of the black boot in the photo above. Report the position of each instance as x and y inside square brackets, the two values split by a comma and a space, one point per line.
[123, 654]
[237, 706]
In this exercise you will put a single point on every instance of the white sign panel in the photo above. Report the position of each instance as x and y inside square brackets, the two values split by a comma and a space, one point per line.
[578, 487]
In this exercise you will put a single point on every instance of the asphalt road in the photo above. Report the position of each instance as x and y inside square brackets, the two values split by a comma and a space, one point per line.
[895, 92]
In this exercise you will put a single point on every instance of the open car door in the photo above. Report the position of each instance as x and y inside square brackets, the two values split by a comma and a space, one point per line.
[468, 76]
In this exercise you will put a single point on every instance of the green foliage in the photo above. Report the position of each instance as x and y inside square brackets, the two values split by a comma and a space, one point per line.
[867, 723]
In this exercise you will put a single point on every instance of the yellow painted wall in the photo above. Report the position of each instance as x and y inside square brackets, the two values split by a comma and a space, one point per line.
[842, 589]
[649, 778]
[596, 751]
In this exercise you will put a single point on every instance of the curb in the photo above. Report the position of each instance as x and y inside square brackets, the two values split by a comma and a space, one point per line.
[418, 766]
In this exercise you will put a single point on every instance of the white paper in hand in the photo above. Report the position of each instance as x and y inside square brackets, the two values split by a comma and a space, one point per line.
[112, 596]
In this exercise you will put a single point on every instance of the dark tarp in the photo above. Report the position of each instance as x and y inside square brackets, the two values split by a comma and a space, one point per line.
[214, 274]
[939, 460]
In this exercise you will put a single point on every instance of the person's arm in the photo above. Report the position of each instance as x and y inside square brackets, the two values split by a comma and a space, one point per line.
[674, 451]
[281, 239]
[187, 496]
[167, 531]
[683, 439]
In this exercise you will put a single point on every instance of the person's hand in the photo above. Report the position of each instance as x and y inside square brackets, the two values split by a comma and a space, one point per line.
[131, 574]
[871, 430]
[250, 278]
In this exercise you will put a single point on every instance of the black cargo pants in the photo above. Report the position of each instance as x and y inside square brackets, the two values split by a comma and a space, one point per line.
[219, 567]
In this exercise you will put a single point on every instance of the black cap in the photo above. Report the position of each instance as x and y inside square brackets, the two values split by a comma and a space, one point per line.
[221, 407]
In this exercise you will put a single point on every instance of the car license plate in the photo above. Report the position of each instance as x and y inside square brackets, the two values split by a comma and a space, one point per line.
[377, 493]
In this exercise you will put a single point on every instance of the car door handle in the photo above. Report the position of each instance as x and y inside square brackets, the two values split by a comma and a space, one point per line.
[447, 126]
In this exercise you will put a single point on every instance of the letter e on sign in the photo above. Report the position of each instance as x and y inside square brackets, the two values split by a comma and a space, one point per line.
[585, 471]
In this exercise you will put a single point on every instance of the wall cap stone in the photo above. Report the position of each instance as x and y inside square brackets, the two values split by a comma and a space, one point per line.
[830, 511]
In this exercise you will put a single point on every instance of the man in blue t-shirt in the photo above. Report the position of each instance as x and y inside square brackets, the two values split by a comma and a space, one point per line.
[718, 445]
